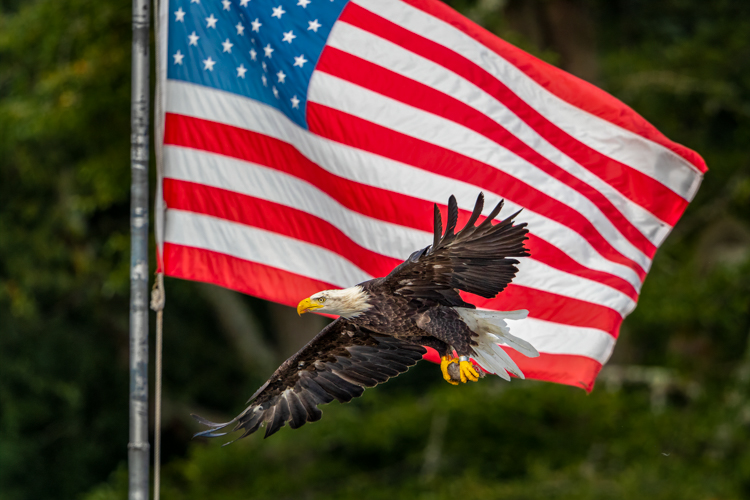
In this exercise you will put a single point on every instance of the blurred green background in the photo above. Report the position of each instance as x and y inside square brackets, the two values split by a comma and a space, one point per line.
[668, 419]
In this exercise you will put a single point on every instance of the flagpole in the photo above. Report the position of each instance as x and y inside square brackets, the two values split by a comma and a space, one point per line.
[138, 446]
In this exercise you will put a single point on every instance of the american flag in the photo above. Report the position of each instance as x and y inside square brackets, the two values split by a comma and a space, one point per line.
[303, 143]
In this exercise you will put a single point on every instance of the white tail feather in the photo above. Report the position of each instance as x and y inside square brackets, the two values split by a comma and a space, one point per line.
[491, 328]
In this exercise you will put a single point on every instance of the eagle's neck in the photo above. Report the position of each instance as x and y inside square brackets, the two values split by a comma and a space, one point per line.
[351, 302]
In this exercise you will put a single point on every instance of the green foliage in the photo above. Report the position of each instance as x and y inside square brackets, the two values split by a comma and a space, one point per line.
[686, 67]
[64, 142]
[63, 411]
[518, 440]
[64, 100]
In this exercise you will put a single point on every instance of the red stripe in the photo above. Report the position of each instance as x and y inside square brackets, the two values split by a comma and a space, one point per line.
[400, 88]
[305, 227]
[642, 189]
[288, 288]
[244, 276]
[567, 87]
[356, 132]
[393, 207]
[568, 369]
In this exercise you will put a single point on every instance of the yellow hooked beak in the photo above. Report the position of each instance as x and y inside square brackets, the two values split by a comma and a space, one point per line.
[307, 305]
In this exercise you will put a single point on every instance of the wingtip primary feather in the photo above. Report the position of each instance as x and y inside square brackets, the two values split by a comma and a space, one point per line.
[212, 427]
[438, 227]
[208, 423]
[495, 211]
[450, 226]
[478, 207]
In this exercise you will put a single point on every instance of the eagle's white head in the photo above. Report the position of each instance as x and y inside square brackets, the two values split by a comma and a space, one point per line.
[348, 303]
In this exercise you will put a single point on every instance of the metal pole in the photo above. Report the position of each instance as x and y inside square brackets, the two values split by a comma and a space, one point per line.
[138, 447]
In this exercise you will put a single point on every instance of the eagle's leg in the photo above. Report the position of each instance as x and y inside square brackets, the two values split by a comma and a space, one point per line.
[451, 374]
[447, 327]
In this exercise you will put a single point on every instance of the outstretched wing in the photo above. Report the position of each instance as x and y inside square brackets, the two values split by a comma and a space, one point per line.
[477, 259]
[338, 363]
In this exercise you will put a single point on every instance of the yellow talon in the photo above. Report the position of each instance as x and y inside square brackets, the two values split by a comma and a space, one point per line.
[444, 362]
[468, 371]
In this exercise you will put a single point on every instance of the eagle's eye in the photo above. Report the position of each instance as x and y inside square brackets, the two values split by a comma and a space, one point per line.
[321, 299]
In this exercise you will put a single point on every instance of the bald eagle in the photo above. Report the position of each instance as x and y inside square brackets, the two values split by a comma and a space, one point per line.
[385, 323]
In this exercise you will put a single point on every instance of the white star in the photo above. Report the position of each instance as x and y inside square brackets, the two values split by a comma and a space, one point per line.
[226, 4]
[256, 25]
[281, 76]
[295, 102]
[268, 50]
[278, 12]
[193, 39]
[313, 25]
[240, 29]
[195, 1]
[243, 3]
[227, 46]
[211, 22]
[208, 64]
[300, 61]
[289, 36]
[253, 54]
[241, 70]
[179, 15]
[178, 56]
[304, 3]
[275, 92]
[265, 81]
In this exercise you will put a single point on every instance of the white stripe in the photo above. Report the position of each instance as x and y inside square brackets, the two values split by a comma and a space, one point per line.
[269, 184]
[345, 96]
[643, 155]
[556, 338]
[373, 170]
[257, 245]
[381, 237]
[535, 274]
[374, 49]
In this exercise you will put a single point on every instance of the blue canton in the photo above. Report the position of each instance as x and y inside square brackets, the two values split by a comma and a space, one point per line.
[265, 50]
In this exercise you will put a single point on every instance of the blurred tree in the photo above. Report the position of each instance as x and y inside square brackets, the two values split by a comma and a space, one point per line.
[498, 440]
[64, 243]
[563, 26]
[64, 85]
